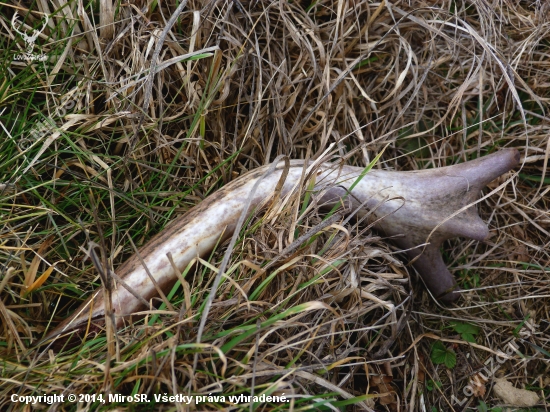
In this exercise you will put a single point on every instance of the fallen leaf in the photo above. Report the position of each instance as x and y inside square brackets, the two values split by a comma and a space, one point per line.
[38, 282]
[30, 275]
[477, 383]
[510, 395]
[518, 232]
[382, 384]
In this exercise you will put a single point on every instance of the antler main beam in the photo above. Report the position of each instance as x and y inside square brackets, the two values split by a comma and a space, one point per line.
[415, 208]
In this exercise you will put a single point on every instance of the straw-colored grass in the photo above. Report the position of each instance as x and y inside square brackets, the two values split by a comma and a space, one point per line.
[140, 112]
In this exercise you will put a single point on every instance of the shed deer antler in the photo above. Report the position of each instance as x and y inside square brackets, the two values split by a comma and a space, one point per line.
[419, 206]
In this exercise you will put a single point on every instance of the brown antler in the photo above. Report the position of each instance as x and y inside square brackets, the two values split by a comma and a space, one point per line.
[415, 208]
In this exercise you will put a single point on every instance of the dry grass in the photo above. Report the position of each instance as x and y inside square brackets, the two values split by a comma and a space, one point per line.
[151, 114]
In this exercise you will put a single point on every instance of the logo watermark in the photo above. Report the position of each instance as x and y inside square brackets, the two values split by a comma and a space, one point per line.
[29, 41]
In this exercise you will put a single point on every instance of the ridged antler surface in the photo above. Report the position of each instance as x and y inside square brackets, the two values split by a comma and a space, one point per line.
[415, 207]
